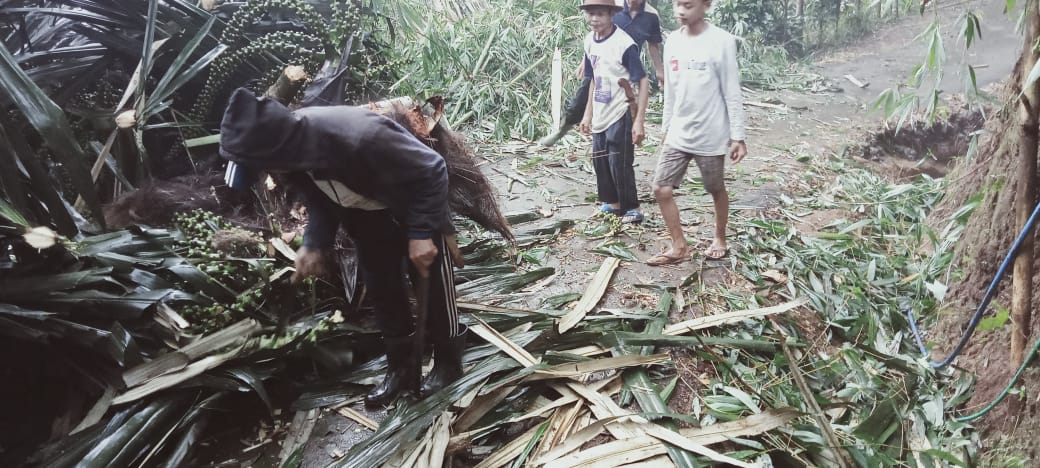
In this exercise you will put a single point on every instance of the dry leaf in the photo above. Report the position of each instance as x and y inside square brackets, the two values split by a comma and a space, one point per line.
[776, 276]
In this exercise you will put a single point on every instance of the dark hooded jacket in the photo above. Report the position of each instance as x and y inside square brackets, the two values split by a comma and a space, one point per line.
[370, 154]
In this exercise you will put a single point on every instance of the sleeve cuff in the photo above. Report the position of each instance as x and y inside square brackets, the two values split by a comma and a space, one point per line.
[420, 235]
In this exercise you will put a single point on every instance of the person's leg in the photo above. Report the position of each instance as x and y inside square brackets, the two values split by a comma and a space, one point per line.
[447, 335]
[711, 168]
[605, 184]
[574, 111]
[621, 158]
[382, 253]
[670, 171]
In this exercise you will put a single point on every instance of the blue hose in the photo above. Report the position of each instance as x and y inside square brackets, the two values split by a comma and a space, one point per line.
[1026, 230]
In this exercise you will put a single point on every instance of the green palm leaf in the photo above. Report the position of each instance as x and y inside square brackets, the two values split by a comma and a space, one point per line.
[48, 119]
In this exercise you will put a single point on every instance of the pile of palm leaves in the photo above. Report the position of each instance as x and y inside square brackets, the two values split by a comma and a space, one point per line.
[159, 331]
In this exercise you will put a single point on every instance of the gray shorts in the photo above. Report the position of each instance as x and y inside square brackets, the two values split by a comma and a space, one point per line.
[672, 164]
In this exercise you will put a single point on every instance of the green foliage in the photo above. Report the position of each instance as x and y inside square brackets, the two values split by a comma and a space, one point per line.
[926, 77]
[858, 274]
[996, 321]
[493, 64]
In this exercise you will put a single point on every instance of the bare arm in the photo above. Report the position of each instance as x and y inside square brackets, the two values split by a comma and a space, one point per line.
[588, 73]
[654, 48]
[734, 102]
[638, 120]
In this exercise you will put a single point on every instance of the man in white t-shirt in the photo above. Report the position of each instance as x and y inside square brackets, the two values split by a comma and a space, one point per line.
[703, 121]
[612, 63]
[641, 22]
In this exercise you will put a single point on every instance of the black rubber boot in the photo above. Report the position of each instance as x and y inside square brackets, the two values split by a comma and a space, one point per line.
[402, 372]
[447, 363]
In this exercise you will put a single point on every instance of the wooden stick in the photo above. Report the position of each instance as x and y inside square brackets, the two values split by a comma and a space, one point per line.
[765, 105]
[841, 457]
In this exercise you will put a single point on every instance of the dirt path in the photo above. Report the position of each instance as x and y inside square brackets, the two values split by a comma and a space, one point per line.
[558, 182]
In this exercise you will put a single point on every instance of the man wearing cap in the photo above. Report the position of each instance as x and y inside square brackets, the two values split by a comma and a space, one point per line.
[388, 190]
[641, 22]
[616, 124]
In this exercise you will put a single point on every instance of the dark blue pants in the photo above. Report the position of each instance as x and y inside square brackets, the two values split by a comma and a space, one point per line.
[613, 157]
[382, 248]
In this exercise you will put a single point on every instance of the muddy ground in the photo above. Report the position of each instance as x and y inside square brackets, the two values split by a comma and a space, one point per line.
[836, 119]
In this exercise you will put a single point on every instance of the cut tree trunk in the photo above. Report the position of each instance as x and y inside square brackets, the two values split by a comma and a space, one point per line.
[288, 84]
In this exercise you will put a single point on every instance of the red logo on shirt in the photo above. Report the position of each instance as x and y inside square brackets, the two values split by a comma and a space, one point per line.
[675, 64]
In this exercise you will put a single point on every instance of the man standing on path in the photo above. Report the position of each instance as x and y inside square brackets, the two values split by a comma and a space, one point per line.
[641, 22]
[703, 122]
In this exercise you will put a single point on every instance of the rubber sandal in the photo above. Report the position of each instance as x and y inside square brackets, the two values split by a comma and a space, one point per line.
[632, 217]
[663, 259]
[607, 209]
[714, 252]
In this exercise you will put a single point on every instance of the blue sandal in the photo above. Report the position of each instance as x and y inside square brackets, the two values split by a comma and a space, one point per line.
[607, 209]
[632, 217]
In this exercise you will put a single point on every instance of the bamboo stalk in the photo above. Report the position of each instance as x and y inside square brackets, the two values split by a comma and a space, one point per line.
[840, 456]
[1022, 288]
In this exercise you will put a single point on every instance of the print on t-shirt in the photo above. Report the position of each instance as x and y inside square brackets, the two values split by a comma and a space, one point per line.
[603, 92]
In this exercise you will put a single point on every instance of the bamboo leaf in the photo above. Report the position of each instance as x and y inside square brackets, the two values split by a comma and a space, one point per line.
[513, 448]
[615, 249]
[38, 285]
[501, 342]
[726, 318]
[577, 369]
[674, 438]
[1034, 73]
[254, 382]
[519, 462]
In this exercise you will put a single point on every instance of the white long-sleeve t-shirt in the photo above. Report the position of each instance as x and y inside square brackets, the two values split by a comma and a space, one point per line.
[703, 103]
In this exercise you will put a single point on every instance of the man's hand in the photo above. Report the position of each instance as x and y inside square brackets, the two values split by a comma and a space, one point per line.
[737, 151]
[309, 263]
[586, 125]
[422, 253]
[453, 249]
[638, 132]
